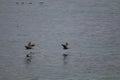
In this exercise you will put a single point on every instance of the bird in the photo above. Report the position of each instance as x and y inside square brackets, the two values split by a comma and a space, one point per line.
[29, 46]
[29, 55]
[65, 46]
[30, 3]
[41, 2]
[22, 2]
[17, 2]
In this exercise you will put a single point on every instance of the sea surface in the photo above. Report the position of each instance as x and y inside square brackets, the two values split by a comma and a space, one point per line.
[91, 27]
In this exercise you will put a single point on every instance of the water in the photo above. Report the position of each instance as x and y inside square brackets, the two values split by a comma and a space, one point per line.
[91, 27]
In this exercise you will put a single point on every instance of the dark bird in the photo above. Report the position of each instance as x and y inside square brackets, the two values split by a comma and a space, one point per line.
[22, 2]
[30, 3]
[17, 2]
[41, 2]
[29, 46]
[65, 46]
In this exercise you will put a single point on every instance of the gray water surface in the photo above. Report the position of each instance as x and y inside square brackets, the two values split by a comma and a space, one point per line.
[91, 27]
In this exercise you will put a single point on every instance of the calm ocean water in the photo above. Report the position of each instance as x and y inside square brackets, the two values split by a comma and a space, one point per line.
[91, 27]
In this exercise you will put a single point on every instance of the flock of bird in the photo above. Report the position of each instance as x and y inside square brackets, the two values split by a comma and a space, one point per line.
[30, 46]
[27, 3]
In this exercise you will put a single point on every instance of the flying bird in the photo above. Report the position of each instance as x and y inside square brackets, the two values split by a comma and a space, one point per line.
[29, 45]
[65, 46]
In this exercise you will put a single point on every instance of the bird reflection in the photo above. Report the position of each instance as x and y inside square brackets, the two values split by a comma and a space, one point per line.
[65, 58]
[28, 58]
[30, 3]
[27, 61]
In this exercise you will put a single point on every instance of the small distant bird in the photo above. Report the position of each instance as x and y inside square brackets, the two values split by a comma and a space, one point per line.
[30, 3]
[22, 2]
[65, 46]
[30, 45]
[17, 2]
[41, 2]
